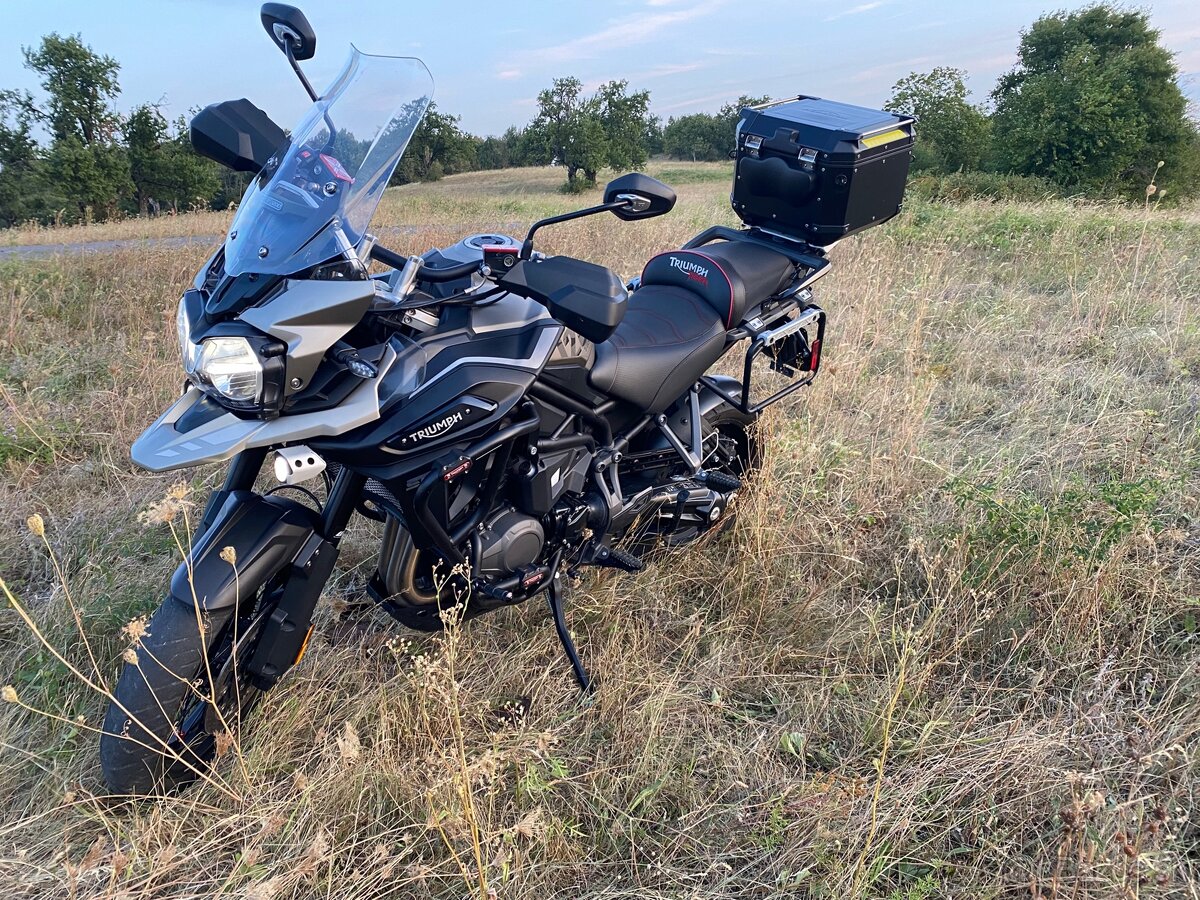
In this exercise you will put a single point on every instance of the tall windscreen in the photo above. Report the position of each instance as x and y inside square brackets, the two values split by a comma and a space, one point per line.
[315, 197]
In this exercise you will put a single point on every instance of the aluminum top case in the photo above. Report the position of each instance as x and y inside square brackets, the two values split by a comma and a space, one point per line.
[817, 171]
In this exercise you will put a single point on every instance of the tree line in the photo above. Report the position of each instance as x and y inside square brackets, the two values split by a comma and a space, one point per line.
[1092, 106]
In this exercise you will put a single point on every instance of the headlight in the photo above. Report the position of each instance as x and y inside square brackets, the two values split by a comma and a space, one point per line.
[239, 367]
[232, 367]
[187, 350]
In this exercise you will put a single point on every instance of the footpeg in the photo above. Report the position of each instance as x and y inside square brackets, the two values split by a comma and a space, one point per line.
[615, 558]
[722, 482]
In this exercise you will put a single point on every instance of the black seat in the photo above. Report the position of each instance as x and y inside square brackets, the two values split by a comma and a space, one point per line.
[731, 276]
[668, 338]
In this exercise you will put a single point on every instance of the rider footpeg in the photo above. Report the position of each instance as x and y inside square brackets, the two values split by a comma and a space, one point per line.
[722, 482]
[615, 558]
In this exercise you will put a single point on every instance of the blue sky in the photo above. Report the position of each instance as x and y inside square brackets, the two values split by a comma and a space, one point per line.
[490, 59]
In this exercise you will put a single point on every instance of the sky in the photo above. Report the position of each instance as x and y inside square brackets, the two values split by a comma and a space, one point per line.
[489, 59]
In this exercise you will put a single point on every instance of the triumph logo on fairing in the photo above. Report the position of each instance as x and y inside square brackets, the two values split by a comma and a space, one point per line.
[692, 270]
[433, 429]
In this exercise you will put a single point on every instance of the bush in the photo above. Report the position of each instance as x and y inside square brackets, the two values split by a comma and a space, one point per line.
[956, 187]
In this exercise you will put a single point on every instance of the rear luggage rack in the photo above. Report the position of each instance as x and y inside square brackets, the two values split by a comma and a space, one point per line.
[790, 348]
[791, 352]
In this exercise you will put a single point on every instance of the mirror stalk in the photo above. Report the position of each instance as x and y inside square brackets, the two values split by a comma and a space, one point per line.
[527, 247]
[291, 58]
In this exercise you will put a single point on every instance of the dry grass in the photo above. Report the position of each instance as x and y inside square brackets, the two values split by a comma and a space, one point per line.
[949, 650]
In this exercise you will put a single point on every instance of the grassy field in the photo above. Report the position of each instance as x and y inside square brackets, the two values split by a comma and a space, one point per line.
[951, 647]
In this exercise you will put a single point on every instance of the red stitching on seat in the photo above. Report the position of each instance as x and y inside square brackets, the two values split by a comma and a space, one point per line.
[724, 274]
[728, 280]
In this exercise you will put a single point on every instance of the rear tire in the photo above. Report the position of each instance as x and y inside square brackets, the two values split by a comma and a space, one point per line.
[737, 453]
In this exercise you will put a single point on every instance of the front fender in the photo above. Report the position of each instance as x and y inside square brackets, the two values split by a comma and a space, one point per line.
[266, 534]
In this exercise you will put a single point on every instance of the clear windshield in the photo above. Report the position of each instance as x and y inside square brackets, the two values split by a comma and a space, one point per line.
[315, 197]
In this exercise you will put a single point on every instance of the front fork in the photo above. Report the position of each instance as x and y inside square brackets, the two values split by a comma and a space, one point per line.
[288, 627]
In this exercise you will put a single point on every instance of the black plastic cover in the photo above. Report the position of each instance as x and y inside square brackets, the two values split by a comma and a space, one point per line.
[237, 134]
[587, 298]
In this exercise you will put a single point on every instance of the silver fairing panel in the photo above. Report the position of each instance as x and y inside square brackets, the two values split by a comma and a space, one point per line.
[162, 448]
[310, 317]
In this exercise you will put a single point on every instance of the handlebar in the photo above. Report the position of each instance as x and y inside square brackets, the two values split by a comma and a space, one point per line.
[433, 276]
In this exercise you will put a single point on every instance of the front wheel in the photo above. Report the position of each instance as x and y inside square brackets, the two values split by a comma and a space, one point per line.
[187, 690]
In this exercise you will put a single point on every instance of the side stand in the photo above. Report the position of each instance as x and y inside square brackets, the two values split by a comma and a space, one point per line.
[554, 597]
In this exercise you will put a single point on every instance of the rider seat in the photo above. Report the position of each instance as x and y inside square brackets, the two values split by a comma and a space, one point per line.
[675, 324]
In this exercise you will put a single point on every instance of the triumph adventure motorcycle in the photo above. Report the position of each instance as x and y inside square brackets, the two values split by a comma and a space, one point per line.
[508, 418]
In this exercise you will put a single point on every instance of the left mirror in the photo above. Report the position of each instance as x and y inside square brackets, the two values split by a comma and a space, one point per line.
[289, 29]
[237, 134]
[644, 197]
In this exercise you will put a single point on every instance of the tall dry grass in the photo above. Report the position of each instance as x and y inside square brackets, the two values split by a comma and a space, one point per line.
[949, 648]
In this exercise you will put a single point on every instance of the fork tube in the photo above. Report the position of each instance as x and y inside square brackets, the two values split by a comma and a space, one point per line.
[344, 494]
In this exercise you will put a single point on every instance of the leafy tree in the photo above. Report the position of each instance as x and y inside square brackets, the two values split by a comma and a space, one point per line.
[81, 85]
[627, 123]
[145, 136]
[566, 131]
[953, 134]
[85, 163]
[697, 137]
[1093, 104]
[438, 147]
[18, 158]
[94, 177]
[705, 136]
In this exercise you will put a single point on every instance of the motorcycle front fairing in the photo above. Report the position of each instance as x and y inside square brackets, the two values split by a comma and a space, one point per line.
[196, 429]
[309, 208]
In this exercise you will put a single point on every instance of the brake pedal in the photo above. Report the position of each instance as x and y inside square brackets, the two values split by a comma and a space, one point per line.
[616, 558]
[721, 481]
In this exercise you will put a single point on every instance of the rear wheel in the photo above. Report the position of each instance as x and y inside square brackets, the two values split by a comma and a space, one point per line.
[731, 448]
[188, 688]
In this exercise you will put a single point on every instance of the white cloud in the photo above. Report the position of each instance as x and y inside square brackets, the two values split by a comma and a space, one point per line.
[857, 10]
[507, 74]
[636, 29]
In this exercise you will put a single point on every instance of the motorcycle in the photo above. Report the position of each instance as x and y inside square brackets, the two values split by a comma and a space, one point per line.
[507, 418]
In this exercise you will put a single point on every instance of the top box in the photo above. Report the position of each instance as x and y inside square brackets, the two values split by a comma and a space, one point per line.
[816, 171]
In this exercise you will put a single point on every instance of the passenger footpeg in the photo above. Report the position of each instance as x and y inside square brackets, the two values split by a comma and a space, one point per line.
[721, 482]
[615, 558]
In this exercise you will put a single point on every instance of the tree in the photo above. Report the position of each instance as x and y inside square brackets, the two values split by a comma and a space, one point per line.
[1093, 104]
[94, 177]
[84, 163]
[706, 136]
[566, 131]
[145, 136]
[81, 86]
[953, 134]
[18, 158]
[438, 147]
[696, 137]
[627, 124]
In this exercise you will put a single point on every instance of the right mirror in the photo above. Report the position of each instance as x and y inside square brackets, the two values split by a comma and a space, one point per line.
[289, 29]
[645, 197]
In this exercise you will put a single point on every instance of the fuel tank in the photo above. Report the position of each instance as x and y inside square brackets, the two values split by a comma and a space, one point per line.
[480, 363]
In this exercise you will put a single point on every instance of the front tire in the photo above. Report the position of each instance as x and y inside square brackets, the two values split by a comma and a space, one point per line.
[160, 731]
